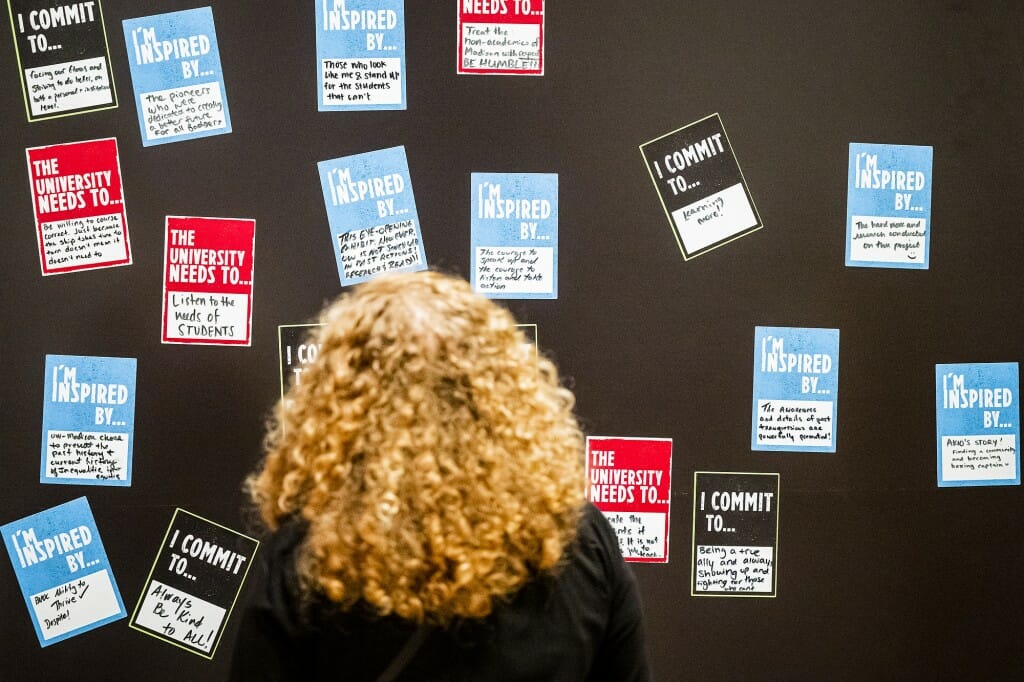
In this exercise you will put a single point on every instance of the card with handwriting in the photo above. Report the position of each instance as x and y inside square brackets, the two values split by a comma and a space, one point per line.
[194, 583]
[977, 423]
[514, 234]
[796, 389]
[372, 214]
[88, 420]
[63, 571]
[176, 72]
[78, 202]
[630, 481]
[701, 187]
[888, 206]
[501, 37]
[360, 54]
[63, 57]
[735, 534]
[208, 280]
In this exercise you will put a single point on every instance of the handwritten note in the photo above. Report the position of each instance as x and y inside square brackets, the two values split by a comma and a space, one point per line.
[984, 456]
[734, 569]
[180, 616]
[64, 87]
[794, 422]
[208, 316]
[641, 535]
[75, 604]
[82, 454]
[522, 269]
[892, 240]
[512, 47]
[369, 81]
[180, 111]
[380, 248]
[83, 240]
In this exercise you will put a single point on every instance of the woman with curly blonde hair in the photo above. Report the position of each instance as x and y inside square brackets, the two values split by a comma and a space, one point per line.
[424, 486]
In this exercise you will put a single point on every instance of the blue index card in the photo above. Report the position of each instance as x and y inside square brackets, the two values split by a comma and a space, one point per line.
[360, 54]
[63, 571]
[977, 424]
[372, 214]
[88, 420]
[796, 389]
[514, 234]
[888, 206]
[177, 77]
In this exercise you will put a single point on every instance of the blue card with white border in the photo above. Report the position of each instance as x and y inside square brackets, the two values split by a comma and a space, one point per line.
[372, 214]
[176, 73]
[514, 234]
[63, 571]
[88, 420]
[360, 55]
[889, 206]
[977, 424]
[796, 389]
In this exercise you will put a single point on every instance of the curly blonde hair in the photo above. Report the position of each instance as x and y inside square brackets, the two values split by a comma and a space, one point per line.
[434, 456]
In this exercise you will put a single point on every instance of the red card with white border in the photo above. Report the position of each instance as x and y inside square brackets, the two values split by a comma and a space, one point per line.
[630, 481]
[501, 37]
[78, 203]
[208, 268]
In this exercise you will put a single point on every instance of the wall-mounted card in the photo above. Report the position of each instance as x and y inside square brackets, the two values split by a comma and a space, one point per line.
[630, 481]
[63, 571]
[176, 73]
[78, 202]
[888, 206]
[88, 420]
[501, 37]
[735, 534]
[372, 214]
[977, 423]
[208, 270]
[360, 54]
[194, 583]
[701, 186]
[63, 57]
[296, 350]
[796, 389]
[514, 234]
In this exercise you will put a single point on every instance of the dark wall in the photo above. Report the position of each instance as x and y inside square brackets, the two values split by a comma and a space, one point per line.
[881, 574]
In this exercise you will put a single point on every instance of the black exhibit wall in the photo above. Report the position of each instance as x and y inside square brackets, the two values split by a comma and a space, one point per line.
[881, 573]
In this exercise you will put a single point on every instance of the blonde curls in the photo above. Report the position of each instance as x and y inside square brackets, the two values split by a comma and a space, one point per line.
[434, 457]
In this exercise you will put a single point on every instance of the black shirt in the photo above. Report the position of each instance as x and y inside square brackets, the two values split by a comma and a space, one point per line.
[582, 623]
